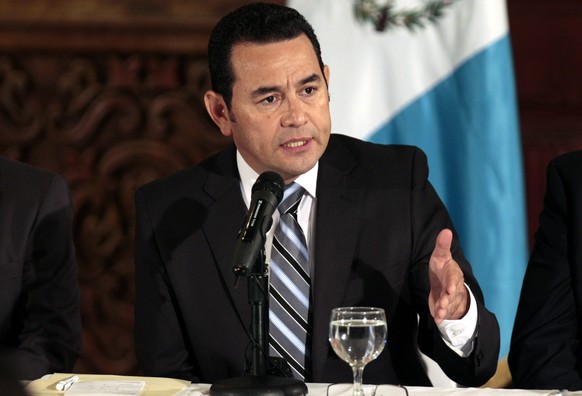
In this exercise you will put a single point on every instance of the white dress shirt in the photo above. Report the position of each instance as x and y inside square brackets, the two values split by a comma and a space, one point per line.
[459, 335]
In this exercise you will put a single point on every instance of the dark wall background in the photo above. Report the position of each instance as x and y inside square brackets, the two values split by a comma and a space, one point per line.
[547, 47]
[109, 94]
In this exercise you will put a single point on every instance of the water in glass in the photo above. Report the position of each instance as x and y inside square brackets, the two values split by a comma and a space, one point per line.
[357, 335]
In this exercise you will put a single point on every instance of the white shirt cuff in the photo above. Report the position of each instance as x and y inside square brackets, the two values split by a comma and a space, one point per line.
[460, 334]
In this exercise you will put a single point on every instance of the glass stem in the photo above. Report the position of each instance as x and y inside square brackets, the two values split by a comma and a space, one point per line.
[358, 374]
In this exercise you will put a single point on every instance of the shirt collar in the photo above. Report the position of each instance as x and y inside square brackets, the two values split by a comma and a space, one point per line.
[248, 177]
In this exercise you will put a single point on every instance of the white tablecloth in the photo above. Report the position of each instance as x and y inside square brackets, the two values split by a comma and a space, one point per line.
[46, 386]
[393, 390]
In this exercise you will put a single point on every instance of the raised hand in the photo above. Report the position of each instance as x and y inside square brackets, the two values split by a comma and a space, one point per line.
[448, 298]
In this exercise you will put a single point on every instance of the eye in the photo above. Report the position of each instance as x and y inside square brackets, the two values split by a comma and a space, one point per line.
[309, 90]
[269, 99]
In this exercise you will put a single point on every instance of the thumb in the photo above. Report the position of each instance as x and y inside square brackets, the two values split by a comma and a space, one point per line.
[443, 244]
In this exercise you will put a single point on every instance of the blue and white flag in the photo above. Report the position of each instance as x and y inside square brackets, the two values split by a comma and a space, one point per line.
[448, 88]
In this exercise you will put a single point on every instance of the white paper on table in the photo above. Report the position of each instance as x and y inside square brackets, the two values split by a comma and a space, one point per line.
[106, 388]
[190, 390]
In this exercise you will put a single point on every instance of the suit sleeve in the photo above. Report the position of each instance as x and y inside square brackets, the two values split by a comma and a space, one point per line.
[161, 350]
[429, 218]
[544, 340]
[50, 338]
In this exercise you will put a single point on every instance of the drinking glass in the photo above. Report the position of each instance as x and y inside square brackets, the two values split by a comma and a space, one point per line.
[357, 335]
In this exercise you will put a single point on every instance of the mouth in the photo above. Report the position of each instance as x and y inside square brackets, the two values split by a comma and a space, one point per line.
[295, 144]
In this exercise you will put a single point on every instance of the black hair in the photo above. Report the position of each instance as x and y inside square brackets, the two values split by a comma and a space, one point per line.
[259, 23]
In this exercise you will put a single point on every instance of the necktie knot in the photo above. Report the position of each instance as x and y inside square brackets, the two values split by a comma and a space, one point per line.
[291, 198]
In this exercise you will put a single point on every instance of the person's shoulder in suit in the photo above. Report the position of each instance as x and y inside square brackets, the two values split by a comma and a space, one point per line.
[371, 150]
[24, 187]
[32, 196]
[24, 181]
[571, 157]
[191, 180]
[375, 162]
[568, 166]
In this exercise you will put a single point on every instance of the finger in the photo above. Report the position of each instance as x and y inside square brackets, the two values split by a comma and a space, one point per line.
[454, 280]
[452, 305]
[443, 303]
[441, 313]
[448, 303]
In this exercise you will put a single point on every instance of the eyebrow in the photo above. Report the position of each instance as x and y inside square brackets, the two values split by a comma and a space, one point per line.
[265, 90]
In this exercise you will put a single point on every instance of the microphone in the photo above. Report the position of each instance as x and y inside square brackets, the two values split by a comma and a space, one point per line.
[267, 193]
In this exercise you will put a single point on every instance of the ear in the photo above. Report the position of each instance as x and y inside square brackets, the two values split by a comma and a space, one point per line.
[218, 111]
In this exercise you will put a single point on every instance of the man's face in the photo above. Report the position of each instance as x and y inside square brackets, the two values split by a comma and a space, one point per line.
[279, 116]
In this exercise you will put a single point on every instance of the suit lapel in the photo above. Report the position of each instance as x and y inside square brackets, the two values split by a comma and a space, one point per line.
[339, 200]
[222, 225]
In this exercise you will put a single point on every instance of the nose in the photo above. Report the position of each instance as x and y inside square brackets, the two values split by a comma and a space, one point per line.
[294, 113]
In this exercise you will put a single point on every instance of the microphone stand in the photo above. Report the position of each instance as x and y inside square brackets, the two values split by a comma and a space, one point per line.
[258, 383]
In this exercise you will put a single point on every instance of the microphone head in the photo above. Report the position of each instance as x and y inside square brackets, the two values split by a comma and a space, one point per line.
[272, 182]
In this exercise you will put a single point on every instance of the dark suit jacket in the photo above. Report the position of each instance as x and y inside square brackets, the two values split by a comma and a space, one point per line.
[377, 221]
[40, 325]
[546, 349]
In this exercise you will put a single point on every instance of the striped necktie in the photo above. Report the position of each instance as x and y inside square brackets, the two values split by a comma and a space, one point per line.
[289, 303]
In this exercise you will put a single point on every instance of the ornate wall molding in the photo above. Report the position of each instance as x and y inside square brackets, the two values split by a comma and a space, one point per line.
[110, 25]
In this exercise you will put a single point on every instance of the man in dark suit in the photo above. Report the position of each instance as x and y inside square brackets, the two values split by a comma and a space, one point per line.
[369, 215]
[546, 345]
[40, 325]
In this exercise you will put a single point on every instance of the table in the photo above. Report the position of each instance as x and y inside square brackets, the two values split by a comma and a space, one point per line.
[46, 386]
[393, 390]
